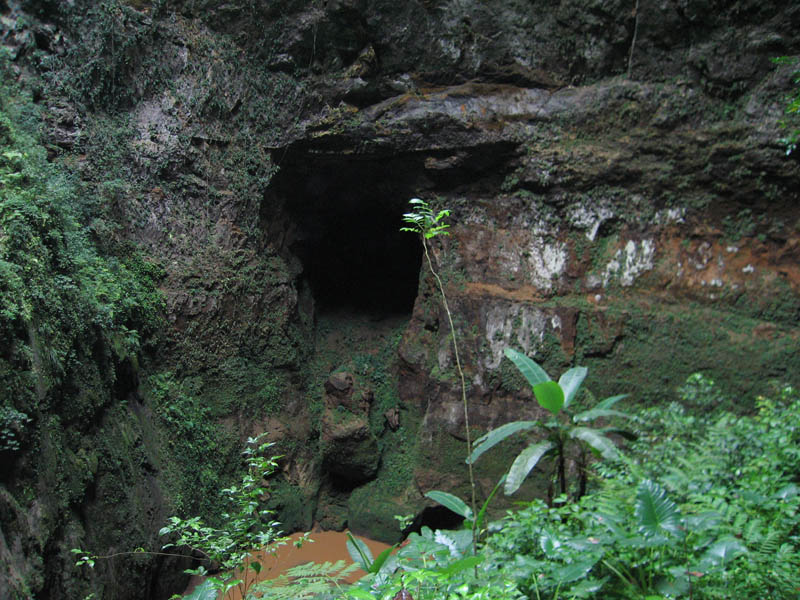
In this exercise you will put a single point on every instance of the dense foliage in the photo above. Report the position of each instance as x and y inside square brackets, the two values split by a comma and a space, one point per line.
[790, 124]
[62, 301]
[706, 507]
[700, 507]
[556, 398]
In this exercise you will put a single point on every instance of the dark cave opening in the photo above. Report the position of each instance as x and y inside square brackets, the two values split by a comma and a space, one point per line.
[434, 517]
[348, 214]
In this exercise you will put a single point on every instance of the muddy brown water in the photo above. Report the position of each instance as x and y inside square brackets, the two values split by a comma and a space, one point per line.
[326, 546]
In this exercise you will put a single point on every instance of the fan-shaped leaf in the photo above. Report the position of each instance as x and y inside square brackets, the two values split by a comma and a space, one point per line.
[722, 552]
[454, 503]
[570, 381]
[787, 492]
[655, 512]
[596, 440]
[495, 436]
[524, 463]
[549, 543]
[550, 396]
[705, 521]
[532, 372]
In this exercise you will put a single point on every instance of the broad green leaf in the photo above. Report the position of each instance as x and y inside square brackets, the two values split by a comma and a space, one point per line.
[596, 440]
[655, 512]
[454, 503]
[359, 552]
[550, 396]
[570, 381]
[532, 372]
[524, 463]
[722, 552]
[676, 586]
[495, 436]
[461, 565]
[596, 413]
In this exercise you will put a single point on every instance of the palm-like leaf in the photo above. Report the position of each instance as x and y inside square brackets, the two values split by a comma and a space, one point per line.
[656, 513]
[570, 381]
[454, 503]
[532, 372]
[722, 552]
[609, 402]
[495, 436]
[596, 440]
[524, 463]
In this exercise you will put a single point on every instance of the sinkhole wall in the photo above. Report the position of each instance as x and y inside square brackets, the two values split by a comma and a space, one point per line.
[618, 196]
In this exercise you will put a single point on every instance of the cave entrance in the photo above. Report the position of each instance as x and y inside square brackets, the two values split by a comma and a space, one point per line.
[434, 517]
[348, 214]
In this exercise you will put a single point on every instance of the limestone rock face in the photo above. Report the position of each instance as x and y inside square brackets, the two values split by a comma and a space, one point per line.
[349, 449]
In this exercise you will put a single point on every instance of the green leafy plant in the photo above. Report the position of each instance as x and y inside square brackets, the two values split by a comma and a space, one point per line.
[248, 525]
[362, 555]
[792, 107]
[226, 551]
[563, 428]
[428, 224]
[12, 426]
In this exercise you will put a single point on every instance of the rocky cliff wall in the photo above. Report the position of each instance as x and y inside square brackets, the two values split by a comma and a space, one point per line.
[619, 201]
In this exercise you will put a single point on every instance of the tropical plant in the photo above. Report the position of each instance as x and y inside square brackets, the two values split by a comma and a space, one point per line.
[792, 107]
[428, 225]
[563, 428]
[705, 507]
[226, 551]
[432, 564]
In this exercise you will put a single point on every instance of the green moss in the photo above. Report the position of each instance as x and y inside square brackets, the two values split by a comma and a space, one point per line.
[372, 514]
[660, 345]
[293, 509]
[506, 378]
[197, 453]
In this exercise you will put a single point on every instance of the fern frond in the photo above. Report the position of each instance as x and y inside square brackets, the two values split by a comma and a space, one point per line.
[305, 581]
[327, 570]
[770, 544]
